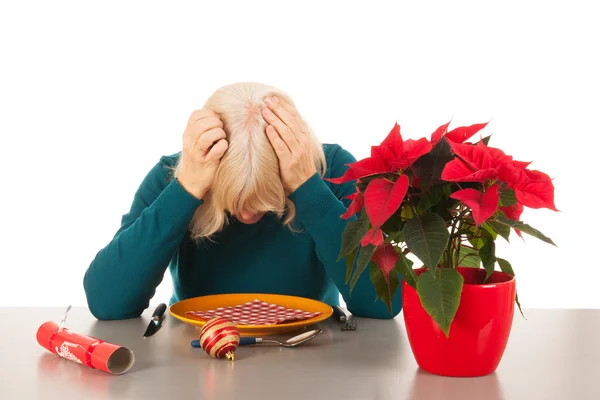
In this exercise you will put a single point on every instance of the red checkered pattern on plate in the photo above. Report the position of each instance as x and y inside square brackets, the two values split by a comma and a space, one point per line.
[256, 312]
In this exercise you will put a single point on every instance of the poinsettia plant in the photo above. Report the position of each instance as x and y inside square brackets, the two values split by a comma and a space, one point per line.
[446, 201]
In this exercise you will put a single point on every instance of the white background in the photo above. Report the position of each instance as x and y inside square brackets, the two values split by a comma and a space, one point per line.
[91, 95]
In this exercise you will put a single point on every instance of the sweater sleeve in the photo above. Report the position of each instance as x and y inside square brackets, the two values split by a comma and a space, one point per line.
[123, 276]
[319, 206]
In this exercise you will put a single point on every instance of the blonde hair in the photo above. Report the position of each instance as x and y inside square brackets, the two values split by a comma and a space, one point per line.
[248, 177]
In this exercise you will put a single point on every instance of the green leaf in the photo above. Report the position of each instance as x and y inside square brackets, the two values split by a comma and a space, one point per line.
[508, 198]
[385, 289]
[396, 237]
[355, 230]
[478, 242]
[350, 264]
[393, 224]
[508, 269]
[433, 196]
[486, 139]
[490, 230]
[407, 213]
[488, 257]
[469, 258]
[429, 167]
[404, 267]
[427, 236]
[443, 209]
[519, 305]
[523, 227]
[364, 256]
[440, 295]
[505, 266]
[501, 229]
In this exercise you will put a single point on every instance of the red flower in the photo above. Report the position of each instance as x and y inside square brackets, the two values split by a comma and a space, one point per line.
[392, 155]
[520, 164]
[480, 163]
[477, 157]
[514, 212]
[416, 181]
[533, 189]
[459, 171]
[358, 201]
[362, 168]
[474, 164]
[385, 258]
[436, 136]
[462, 133]
[483, 205]
[402, 154]
[499, 158]
[374, 236]
[383, 197]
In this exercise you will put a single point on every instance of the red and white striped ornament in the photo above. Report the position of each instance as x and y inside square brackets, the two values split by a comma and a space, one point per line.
[219, 338]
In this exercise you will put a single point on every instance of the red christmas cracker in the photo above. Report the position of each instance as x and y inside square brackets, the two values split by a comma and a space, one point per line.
[86, 350]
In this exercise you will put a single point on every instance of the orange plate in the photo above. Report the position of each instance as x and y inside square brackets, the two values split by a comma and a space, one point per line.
[179, 309]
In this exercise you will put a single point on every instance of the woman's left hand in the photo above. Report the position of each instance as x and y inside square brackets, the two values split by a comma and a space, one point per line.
[289, 136]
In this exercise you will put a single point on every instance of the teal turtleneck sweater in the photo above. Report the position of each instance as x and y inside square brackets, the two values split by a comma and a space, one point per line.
[266, 257]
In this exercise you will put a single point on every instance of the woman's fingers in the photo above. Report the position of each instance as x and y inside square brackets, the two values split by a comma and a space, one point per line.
[294, 113]
[217, 150]
[283, 122]
[281, 149]
[202, 113]
[208, 138]
[200, 122]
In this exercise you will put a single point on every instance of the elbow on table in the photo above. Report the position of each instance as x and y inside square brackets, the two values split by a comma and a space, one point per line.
[103, 313]
[104, 309]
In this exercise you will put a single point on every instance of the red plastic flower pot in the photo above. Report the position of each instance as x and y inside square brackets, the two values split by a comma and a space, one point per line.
[478, 333]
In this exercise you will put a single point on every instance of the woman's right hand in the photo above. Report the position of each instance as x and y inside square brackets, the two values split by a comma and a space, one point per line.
[204, 144]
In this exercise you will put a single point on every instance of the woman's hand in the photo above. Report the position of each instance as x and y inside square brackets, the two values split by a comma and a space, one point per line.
[203, 146]
[289, 137]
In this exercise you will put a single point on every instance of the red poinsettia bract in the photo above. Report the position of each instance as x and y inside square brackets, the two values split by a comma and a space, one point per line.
[403, 191]
[533, 189]
[514, 212]
[382, 199]
[358, 201]
[385, 258]
[457, 135]
[483, 205]
[464, 133]
[392, 155]
[374, 236]
[481, 163]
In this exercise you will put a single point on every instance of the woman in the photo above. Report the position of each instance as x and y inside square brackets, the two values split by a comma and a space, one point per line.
[242, 208]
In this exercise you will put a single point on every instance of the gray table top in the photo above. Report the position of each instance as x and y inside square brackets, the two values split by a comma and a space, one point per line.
[554, 354]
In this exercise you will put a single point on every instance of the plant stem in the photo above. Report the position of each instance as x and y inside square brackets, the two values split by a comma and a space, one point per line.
[460, 223]
[449, 254]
